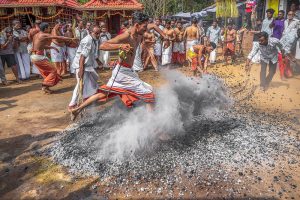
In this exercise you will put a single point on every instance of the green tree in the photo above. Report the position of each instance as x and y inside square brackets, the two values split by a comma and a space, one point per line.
[164, 7]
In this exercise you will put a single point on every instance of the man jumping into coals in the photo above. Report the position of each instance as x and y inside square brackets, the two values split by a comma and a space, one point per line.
[124, 82]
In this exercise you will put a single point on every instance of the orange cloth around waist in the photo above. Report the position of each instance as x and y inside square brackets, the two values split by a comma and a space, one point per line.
[48, 72]
[128, 97]
[194, 63]
[230, 46]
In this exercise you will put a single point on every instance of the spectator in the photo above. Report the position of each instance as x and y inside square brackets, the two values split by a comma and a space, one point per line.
[267, 23]
[290, 24]
[21, 53]
[80, 31]
[213, 34]
[296, 10]
[7, 45]
[104, 55]
[278, 25]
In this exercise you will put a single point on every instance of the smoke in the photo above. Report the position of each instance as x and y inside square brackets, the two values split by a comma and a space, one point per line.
[131, 132]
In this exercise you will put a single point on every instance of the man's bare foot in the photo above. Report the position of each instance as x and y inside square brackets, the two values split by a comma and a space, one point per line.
[74, 114]
[46, 90]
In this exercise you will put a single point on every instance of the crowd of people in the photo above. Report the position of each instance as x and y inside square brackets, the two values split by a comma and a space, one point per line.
[142, 42]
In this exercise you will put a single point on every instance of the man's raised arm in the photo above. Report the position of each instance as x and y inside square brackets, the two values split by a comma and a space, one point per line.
[118, 42]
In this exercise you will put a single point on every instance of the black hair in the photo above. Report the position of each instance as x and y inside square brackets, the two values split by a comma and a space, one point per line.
[139, 17]
[263, 34]
[168, 21]
[281, 11]
[126, 23]
[194, 20]
[44, 26]
[213, 45]
[8, 30]
[270, 10]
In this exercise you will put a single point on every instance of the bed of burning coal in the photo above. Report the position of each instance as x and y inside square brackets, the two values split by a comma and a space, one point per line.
[233, 138]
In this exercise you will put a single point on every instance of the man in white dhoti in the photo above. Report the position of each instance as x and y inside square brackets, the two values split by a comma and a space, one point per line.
[191, 34]
[21, 53]
[104, 55]
[214, 35]
[84, 63]
[158, 42]
[124, 81]
[178, 48]
[80, 31]
[166, 58]
[71, 47]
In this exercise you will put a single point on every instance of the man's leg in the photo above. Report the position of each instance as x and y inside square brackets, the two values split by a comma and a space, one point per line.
[2, 74]
[58, 67]
[281, 66]
[288, 69]
[272, 71]
[11, 62]
[263, 74]
[26, 62]
[153, 60]
[96, 97]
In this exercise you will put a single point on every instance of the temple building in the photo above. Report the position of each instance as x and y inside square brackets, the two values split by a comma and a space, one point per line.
[112, 12]
[27, 11]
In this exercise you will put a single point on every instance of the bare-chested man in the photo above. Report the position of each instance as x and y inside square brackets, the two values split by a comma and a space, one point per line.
[178, 48]
[124, 81]
[40, 42]
[34, 30]
[58, 58]
[167, 51]
[149, 41]
[229, 43]
[198, 56]
[191, 34]
[71, 46]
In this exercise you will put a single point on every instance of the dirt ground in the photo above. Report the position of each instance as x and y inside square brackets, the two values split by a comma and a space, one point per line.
[30, 120]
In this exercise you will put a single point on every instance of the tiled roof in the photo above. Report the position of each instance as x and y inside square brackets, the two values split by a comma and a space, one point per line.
[113, 5]
[30, 3]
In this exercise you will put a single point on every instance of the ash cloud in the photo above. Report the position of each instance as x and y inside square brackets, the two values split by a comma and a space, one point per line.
[118, 134]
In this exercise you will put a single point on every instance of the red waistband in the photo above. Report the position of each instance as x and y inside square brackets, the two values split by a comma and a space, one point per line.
[40, 52]
[124, 64]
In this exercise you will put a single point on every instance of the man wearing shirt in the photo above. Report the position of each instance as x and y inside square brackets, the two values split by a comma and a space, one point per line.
[80, 31]
[104, 55]
[267, 23]
[7, 45]
[213, 34]
[84, 63]
[22, 56]
[268, 47]
[278, 25]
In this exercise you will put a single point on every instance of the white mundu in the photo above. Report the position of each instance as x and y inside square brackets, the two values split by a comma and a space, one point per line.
[87, 48]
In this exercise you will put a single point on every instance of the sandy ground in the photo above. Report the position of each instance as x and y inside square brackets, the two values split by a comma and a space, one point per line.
[30, 120]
